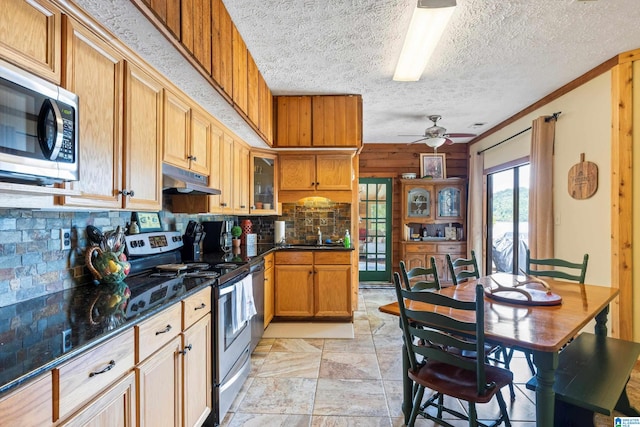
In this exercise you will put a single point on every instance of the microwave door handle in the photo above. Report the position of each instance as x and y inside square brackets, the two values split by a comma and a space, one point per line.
[59, 128]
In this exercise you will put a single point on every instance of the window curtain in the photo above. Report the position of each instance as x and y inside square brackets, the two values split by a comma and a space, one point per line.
[541, 188]
[475, 240]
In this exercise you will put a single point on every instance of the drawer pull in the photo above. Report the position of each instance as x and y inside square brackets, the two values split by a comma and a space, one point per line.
[106, 369]
[164, 331]
[186, 349]
[200, 307]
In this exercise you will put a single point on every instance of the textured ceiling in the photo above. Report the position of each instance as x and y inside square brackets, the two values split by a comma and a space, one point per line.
[496, 57]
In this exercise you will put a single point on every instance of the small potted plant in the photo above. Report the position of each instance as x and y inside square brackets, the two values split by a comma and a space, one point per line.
[236, 232]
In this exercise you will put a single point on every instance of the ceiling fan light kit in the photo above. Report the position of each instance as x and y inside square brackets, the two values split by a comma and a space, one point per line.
[429, 20]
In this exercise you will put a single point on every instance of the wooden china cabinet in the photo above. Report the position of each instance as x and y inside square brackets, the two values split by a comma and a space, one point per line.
[434, 210]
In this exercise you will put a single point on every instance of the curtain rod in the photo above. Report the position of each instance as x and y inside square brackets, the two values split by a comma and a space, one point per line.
[554, 116]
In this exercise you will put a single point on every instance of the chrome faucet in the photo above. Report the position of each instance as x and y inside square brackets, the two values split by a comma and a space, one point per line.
[319, 236]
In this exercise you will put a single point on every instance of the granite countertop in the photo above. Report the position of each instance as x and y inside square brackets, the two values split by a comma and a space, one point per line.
[31, 332]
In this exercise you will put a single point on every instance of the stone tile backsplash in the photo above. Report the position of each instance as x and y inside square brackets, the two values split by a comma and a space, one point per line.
[32, 264]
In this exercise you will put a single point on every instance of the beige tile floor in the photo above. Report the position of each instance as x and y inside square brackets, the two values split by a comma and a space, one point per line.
[354, 382]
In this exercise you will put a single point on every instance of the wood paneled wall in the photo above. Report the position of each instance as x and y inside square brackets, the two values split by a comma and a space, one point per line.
[384, 160]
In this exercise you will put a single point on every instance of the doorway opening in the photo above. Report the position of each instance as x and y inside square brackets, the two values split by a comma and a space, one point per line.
[374, 230]
[507, 219]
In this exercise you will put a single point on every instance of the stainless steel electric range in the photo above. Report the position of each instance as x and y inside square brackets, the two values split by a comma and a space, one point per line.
[159, 273]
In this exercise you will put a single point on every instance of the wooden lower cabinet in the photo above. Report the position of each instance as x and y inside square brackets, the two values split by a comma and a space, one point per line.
[115, 407]
[416, 254]
[160, 387]
[313, 284]
[269, 289]
[198, 377]
[30, 405]
[175, 381]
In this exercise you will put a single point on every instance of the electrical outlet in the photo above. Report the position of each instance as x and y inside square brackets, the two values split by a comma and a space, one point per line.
[66, 340]
[65, 239]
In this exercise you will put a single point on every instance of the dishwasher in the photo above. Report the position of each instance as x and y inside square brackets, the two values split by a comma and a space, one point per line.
[257, 321]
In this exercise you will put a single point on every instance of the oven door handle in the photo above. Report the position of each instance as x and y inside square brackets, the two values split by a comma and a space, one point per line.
[228, 289]
[239, 370]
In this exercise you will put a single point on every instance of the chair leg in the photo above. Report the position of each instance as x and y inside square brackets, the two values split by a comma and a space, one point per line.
[507, 362]
[473, 415]
[440, 404]
[417, 400]
[529, 357]
[503, 409]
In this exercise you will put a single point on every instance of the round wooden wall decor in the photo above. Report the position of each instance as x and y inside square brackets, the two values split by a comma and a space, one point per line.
[583, 179]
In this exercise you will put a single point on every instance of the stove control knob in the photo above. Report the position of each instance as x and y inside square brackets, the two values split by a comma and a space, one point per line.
[134, 244]
[141, 304]
[134, 307]
[141, 243]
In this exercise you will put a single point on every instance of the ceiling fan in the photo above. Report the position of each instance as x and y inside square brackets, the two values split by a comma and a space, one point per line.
[435, 136]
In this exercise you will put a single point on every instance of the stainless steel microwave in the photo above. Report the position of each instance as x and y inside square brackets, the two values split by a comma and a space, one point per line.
[38, 129]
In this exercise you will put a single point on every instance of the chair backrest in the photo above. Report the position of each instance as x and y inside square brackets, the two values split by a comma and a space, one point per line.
[428, 277]
[462, 269]
[444, 339]
[572, 270]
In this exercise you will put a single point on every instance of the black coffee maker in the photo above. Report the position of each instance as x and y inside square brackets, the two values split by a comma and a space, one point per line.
[194, 234]
[218, 236]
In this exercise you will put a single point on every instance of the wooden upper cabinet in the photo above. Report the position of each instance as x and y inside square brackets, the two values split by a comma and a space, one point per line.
[319, 121]
[168, 11]
[337, 121]
[333, 172]
[142, 140]
[200, 142]
[297, 172]
[94, 71]
[222, 47]
[253, 91]
[196, 30]
[240, 178]
[187, 137]
[176, 130]
[293, 126]
[240, 98]
[265, 111]
[30, 37]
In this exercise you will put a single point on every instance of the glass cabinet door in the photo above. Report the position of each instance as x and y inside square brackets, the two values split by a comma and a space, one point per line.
[418, 203]
[449, 203]
[263, 192]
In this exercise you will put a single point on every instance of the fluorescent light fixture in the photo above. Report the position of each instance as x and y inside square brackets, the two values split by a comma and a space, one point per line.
[429, 20]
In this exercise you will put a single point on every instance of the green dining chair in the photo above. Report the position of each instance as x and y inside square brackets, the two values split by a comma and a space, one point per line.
[434, 366]
[562, 269]
[566, 270]
[462, 269]
[421, 278]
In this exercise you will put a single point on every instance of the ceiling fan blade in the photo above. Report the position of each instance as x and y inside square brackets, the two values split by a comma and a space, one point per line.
[449, 141]
[460, 135]
[417, 140]
[405, 134]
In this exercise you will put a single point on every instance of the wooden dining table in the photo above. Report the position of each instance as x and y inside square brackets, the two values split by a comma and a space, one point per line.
[543, 330]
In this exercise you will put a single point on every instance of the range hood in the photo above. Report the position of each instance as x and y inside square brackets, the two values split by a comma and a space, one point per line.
[180, 181]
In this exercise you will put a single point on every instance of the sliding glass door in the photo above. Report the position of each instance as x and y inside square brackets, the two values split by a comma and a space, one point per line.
[507, 219]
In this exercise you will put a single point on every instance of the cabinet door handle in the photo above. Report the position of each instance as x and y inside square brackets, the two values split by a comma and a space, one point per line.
[186, 349]
[192, 158]
[165, 330]
[224, 205]
[200, 307]
[125, 192]
[106, 369]
[242, 206]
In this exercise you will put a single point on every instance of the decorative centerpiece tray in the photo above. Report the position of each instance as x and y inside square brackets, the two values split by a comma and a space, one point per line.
[513, 291]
